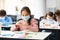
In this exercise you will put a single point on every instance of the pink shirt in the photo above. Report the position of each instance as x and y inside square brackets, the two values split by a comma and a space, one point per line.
[24, 25]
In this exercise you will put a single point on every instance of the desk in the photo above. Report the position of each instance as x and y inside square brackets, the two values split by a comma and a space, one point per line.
[33, 35]
[53, 29]
[7, 27]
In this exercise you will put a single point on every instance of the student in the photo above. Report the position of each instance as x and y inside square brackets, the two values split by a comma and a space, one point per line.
[48, 20]
[27, 22]
[57, 14]
[4, 20]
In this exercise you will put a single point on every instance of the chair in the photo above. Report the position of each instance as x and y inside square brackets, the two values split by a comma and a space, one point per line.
[14, 18]
[41, 18]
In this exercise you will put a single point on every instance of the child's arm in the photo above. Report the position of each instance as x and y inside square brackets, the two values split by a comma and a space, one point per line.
[13, 28]
[34, 25]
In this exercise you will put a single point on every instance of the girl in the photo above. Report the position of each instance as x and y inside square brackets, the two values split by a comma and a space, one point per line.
[27, 22]
[48, 21]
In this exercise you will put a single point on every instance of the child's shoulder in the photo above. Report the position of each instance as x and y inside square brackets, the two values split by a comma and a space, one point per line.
[43, 20]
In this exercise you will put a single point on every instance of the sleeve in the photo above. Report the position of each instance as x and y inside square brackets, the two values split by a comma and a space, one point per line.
[34, 25]
[55, 23]
[13, 28]
[41, 23]
[21, 25]
[10, 20]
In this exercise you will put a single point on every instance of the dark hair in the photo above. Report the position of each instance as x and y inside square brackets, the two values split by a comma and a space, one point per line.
[50, 14]
[29, 12]
[27, 9]
[2, 12]
[54, 17]
[57, 12]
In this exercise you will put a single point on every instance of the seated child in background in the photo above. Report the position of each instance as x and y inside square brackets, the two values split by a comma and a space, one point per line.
[48, 21]
[57, 14]
[4, 20]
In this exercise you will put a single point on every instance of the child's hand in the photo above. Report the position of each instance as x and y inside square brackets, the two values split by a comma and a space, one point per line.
[24, 23]
[33, 21]
[46, 24]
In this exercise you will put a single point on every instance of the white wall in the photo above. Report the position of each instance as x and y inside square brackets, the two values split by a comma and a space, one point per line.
[2, 4]
[58, 4]
[10, 6]
[37, 7]
[54, 4]
[51, 5]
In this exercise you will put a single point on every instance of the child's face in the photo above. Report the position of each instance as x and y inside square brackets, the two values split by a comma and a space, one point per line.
[2, 17]
[24, 13]
[49, 17]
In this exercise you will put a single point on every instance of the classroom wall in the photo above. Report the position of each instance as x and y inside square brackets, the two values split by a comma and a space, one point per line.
[37, 7]
[52, 5]
[58, 4]
[2, 4]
